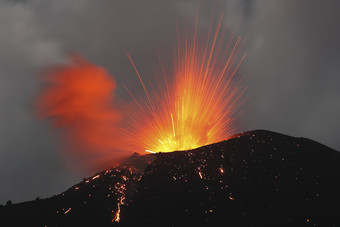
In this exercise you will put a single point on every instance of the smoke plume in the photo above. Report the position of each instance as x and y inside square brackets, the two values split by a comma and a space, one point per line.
[79, 100]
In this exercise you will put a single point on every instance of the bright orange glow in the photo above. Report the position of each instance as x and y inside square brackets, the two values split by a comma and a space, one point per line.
[197, 107]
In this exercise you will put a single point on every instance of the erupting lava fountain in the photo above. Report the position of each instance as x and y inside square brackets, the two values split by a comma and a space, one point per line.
[197, 106]
[190, 105]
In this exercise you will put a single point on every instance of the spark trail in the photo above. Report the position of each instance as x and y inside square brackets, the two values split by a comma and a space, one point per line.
[195, 108]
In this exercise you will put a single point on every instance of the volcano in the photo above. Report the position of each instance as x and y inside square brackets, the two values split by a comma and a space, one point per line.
[256, 178]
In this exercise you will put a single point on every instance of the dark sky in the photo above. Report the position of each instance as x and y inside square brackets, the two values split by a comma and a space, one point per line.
[292, 69]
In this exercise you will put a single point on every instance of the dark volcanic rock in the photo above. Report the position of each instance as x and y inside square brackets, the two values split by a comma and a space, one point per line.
[257, 178]
[92, 202]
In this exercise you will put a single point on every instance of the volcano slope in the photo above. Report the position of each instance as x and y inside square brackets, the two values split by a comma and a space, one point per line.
[257, 178]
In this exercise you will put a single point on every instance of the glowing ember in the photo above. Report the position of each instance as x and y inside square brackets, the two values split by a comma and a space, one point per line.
[196, 108]
[200, 174]
[95, 177]
[68, 210]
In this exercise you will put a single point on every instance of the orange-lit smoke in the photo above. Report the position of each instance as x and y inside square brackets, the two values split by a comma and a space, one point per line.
[79, 98]
[198, 106]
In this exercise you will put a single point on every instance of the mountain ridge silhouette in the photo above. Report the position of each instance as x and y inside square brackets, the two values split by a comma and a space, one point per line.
[255, 178]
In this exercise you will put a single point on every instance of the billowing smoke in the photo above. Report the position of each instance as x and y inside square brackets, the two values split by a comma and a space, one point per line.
[79, 99]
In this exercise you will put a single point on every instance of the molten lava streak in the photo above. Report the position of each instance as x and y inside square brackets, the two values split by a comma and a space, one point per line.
[197, 107]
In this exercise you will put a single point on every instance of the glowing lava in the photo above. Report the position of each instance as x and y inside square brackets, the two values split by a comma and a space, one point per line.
[197, 107]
